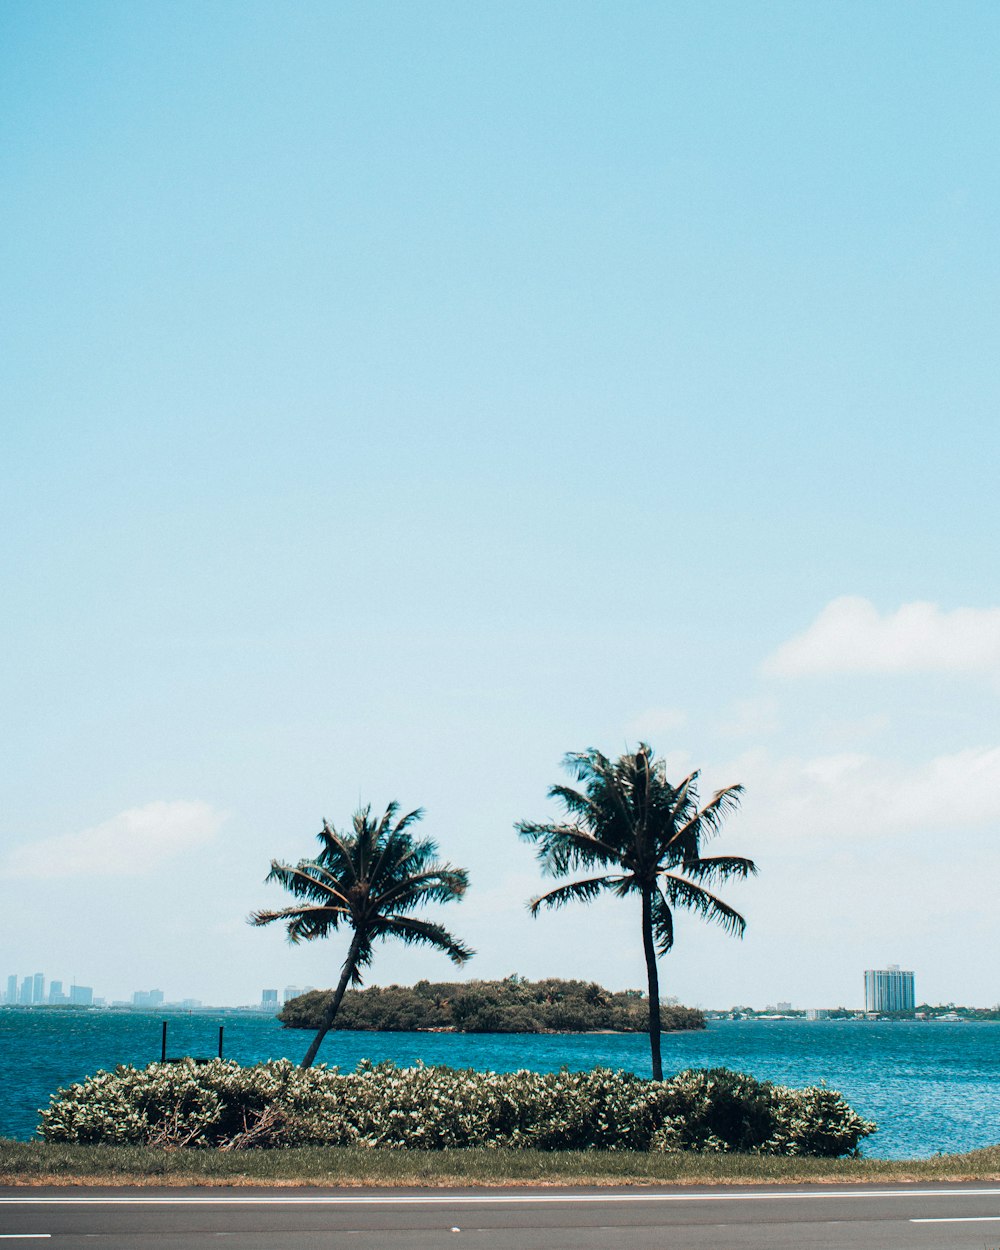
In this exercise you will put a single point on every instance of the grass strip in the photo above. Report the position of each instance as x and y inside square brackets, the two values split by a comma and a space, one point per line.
[38, 1163]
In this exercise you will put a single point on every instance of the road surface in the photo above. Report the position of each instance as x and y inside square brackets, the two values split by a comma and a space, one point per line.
[889, 1217]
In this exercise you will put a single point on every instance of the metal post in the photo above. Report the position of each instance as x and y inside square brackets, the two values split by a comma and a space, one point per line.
[220, 1041]
[163, 1044]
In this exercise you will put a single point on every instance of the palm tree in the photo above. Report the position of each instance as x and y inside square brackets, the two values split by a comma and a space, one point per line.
[368, 880]
[630, 820]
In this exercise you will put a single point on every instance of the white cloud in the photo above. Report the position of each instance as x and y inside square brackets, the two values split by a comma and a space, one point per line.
[850, 636]
[866, 860]
[854, 796]
[130, 844]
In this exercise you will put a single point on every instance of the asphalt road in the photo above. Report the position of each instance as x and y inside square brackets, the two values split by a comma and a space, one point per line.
[914, 1217]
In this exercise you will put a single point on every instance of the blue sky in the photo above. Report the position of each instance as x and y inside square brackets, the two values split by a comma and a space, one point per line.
[397, 397]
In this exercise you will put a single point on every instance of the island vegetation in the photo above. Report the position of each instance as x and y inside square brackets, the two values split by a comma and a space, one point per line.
[512, 1005]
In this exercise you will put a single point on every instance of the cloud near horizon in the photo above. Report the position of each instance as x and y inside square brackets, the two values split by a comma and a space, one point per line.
[854, 796]
[850, 636]
[128, 845]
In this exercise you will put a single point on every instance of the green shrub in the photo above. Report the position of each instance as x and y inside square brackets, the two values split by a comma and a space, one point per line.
[277, 1104]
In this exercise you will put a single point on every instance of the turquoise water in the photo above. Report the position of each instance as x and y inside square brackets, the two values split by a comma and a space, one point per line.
[930, 1087]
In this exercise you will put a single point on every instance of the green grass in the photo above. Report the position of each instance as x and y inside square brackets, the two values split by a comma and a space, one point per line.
[35, 1163]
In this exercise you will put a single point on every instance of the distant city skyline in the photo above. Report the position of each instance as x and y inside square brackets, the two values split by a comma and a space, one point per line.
[885, 990]
[30, 990]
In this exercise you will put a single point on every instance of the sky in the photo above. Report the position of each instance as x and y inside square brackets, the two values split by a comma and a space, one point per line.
[396, 397]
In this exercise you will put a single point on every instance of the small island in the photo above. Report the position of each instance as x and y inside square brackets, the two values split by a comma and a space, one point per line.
[512, 1005]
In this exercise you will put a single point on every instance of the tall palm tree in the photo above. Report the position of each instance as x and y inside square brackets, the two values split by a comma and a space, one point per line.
[368, 880]
[646, 836]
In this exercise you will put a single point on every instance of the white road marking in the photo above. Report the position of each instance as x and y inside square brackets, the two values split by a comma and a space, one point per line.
[957, 1219]
[487, 1200]
[21, 1236]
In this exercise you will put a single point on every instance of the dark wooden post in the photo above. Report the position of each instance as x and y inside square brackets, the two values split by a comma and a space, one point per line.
[220, 1040]
[163, 1044]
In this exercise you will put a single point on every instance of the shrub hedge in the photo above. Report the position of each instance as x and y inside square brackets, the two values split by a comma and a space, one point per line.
[278, 1104]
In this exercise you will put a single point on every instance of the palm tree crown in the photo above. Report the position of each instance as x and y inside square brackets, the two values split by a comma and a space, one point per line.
[368, 880]
[629, 819]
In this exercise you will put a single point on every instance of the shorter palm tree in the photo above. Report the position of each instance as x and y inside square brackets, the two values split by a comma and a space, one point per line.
[369, 881]
[645, 837]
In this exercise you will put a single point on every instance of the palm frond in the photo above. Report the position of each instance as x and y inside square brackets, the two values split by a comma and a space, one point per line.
[306, 879]
[362, 959]
[684, 797]
[716, 868]
[582, 806]
[627, 883]
[575, 891]
[400, 829]
[384, 826]
[405, 856]
[411, 818]
[663, 923]
[561, 848]
[338, 853]
[607, 787]
[681, 802]
[708, 822]
[425, 933]
[440, 884]
[585, 765]
[303, 923]
[678, 891]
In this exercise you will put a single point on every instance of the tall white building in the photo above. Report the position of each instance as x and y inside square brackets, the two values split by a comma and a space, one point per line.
[889, 989]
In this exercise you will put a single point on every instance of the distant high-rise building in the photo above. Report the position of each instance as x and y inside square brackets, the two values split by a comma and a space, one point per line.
[269, 1000]
[56, 994]
[889, 989]
[81, 995]
[27, 995]
[147, 998]
[38, 990]
[290, 991]
[12, 990]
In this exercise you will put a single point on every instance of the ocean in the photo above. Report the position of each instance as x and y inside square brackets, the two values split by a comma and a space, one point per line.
[930, 1087]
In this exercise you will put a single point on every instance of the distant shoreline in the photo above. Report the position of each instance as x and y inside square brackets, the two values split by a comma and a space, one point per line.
[450, 1028]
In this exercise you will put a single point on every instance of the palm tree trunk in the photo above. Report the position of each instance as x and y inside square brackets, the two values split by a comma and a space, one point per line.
[334, 1005]
[653, 978]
